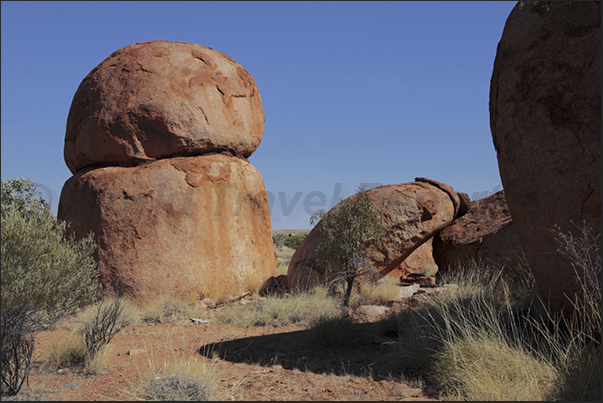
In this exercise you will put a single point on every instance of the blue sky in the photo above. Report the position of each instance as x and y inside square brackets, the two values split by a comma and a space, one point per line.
[353, 92]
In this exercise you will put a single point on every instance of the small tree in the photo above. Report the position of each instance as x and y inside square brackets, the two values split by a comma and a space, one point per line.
[347, 231]
[44, 276]
[278, 240]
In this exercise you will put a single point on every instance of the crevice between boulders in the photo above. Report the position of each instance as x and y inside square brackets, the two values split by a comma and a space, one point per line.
[221, 150]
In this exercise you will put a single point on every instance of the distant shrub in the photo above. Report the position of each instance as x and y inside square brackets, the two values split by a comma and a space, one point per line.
[45, 276]
[294, 241]
[278, 240]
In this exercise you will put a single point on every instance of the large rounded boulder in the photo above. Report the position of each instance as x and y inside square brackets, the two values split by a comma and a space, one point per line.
[545, 118]
[161, 99]
[411, 213]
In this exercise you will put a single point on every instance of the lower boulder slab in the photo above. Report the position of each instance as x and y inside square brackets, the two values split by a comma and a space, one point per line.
[188, 226]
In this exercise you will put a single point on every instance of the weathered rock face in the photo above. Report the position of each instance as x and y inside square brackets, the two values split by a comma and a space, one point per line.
[157, 136]
[545, 117]
[411, 213]
[420, 261]
[485, 233]
[185, 226]
[162, 99]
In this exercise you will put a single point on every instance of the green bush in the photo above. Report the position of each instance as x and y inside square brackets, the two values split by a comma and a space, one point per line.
[294, 241]
[45, 276]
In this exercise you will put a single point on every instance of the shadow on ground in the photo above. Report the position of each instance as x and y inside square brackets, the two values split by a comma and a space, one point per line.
[365, 351]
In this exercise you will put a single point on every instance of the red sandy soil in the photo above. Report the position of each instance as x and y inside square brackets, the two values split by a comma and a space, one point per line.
[257, 363]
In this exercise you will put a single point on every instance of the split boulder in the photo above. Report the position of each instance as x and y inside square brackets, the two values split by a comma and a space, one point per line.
[411, 213]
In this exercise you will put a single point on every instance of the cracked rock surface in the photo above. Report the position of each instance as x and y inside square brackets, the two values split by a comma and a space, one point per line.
[162, 99]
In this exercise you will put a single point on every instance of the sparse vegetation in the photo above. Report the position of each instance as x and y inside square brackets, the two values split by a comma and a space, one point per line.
[284, 257]
[375, 292]
[178, 378]
[66, 351]
[108, 320]
[85, 348]
[71, 352]
[490, 339]
[168, 309]
[302, 309]
[494, 339]
[44, 276]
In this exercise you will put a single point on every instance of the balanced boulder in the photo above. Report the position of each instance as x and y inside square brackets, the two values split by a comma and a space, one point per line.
[157, 138]
[545, 118]
[162, 99]
[484, 234]
[411, 213]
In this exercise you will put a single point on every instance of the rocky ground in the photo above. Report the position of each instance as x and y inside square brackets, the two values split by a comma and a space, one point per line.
[258, 363]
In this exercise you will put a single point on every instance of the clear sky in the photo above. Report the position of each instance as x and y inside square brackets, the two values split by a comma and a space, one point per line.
[353, 92]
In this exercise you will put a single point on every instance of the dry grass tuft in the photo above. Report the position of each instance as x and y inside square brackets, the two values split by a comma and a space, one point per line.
[375, 293]
[494, 338]
[180, 380]
[291, 309]
[71, 352]
[482, 367]
[169, 309]
[182, 376]
[128, 315]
